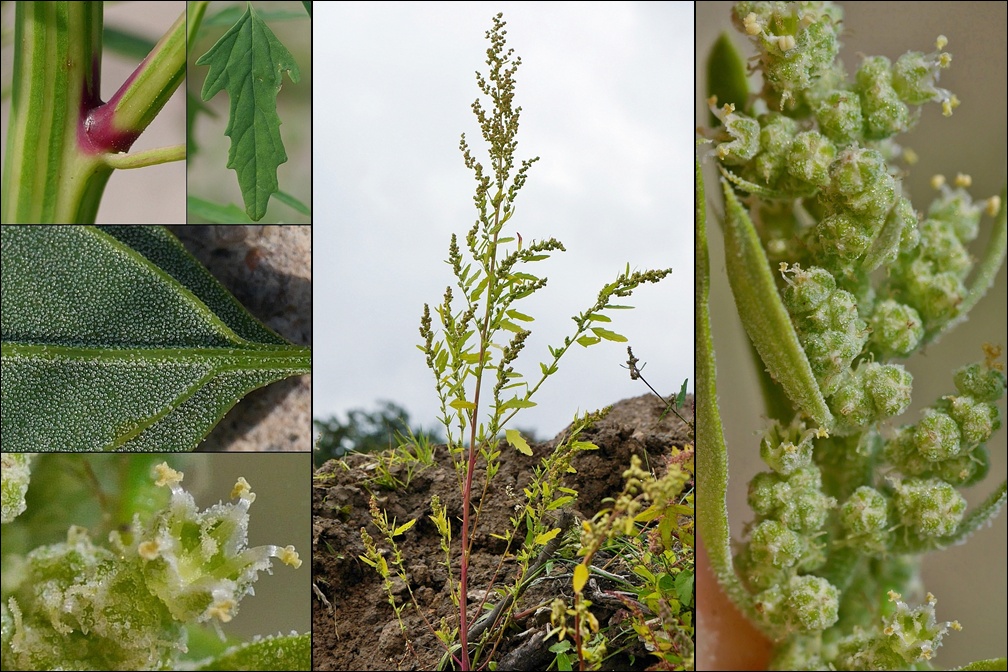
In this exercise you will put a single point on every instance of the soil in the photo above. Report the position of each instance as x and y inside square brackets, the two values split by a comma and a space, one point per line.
[357, 629]
[268, 269]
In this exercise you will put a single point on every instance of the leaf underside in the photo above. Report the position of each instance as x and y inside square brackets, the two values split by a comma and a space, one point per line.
[115, 338]
[289, 652]
[248, 62]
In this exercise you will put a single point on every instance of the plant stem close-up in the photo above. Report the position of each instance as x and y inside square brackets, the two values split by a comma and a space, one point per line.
[65, 133]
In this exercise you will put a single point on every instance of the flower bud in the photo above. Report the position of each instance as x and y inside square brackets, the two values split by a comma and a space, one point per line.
[809, 158]
[983, 383]
[744, 132]
[806, 289]
[839, 117]
[865, 517]
[929, 507]
[813, 603]
[937, 436]
[884, 113]
[977, 420]
[772, 543]
[786, 449]
[896, 328]
[776, 135]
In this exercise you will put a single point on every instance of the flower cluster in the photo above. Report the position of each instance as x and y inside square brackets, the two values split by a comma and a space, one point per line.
[865, 279]
[127, 605]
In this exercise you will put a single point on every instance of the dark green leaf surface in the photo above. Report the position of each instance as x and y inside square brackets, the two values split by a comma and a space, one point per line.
[115, 338]
[249, 62]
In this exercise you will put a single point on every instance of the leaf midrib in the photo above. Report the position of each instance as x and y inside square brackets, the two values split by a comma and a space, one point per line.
[252, 356]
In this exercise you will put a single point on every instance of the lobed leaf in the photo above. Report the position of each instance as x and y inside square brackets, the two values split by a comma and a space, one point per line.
[115, 338]
[515, 438]
[249, 61]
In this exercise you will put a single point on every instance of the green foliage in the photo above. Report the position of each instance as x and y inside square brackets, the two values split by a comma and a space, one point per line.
[482, 333]
[386, 427]
[118, 339]
[649, 526]
[811, 188]
[249, 63]
[130, 601]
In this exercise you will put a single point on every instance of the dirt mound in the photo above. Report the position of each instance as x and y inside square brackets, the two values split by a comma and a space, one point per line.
[358, 630]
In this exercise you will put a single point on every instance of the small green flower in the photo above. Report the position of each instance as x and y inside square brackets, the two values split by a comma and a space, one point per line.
[198, 562]
[929, 507]
[865, 518]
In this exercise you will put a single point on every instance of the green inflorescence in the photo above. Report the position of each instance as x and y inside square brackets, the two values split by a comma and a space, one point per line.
[126, 605]
[865, 280]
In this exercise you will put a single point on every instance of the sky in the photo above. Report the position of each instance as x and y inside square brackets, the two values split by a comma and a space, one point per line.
[604, 90]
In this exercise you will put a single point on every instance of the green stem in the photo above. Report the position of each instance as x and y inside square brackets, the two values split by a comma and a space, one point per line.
[986, 271]
[194, 13]
[151, 157]
[60, 131]
[57, 61]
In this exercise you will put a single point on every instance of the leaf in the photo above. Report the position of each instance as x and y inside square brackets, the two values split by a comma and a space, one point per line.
[515, 438]
[588, 341]
[726, 76]
[684, 587]
[216, 213]
[711, 451]
[559, 502]
[249, 62]
[609, 335]
[580, 577]
[515, 402]
[681, 398]
[979, 517]
[521, 317]
[545, 537]
[763, 315]
[115, 338]
[403, 528]
[293, 202]
[284, 652]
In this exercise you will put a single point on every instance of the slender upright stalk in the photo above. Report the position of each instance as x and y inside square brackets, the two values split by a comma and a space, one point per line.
[471, 467]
